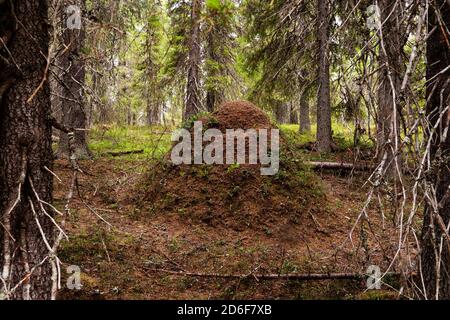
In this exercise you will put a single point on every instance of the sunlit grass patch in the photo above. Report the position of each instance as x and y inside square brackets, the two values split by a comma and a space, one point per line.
[343, 135]
[154, 141]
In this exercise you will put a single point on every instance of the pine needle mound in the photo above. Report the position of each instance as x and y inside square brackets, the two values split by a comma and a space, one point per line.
[241, 115]
[234, 196]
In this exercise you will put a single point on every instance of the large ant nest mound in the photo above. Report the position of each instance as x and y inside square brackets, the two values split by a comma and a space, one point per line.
[231, 195]
[241, 115]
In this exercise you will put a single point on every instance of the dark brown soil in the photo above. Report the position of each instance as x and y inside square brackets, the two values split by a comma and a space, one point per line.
[122, 261]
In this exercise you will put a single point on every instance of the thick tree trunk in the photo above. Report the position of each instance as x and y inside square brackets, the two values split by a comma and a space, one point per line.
[72, 91]
[434, 235]
[390, 77]
[192, 106]
[324, 138]
[25, 151]
[305, 121]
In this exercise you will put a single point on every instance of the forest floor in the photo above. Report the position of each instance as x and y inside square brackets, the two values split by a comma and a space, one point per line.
[136, 254]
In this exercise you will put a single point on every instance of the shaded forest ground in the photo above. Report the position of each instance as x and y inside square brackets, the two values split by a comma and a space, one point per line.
[128, 259]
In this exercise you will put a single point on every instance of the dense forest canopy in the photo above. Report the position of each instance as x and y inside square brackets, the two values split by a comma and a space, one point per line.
[92, 93]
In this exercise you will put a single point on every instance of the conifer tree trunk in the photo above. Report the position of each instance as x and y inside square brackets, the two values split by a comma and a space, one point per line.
[323, 100]
[294, 113]
[390, 78]
[211, 93]
[72, 87]
[192, 105]
[25, 151]
[437, 275]
[305, 121]
[283, 113]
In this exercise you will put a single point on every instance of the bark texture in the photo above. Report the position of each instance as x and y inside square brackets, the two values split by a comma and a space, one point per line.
[436, 275]
[25, 150]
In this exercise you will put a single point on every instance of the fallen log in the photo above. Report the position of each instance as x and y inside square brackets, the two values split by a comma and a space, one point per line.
[287, 276]
[340, 166]
[124, 153]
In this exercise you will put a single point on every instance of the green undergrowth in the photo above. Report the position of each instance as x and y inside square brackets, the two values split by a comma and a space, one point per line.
[155, 141]
[343, 137]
